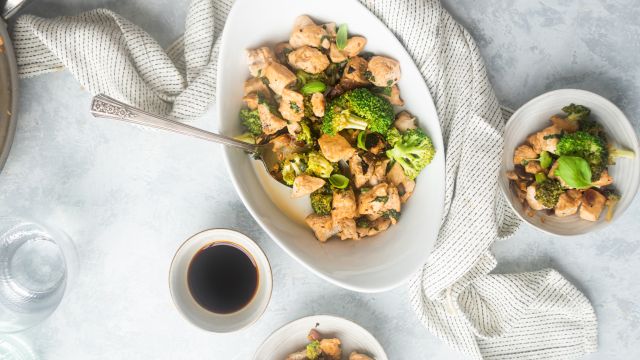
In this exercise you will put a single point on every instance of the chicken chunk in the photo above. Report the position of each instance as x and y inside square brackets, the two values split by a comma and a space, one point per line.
[331, 29]
[331, 349]
[308, 59]
[271, 123]
[322, 226]
[360, 171]
[258, 59]
[336, 55]
[251, 101]
[354, 71]
[347, 229]
[523, 152]
[398, 178]
[384, 71]
[394, 96]
[592, 205]
[377, 226]
[567, 205]
[343, 204]
[318, 104]
[374, 200]
[533, 167]
[356, 356]
[281, 51]
[354, 46]
[300, 355]
[564, 124]
[291, 105]
[306, 32]
[279, 77]
[393, 201]
[605, 179]
[379, 171]
[306, 184]
[256, 86]
[531, 199]
[545, 140]
[405, 121]
[335, 147]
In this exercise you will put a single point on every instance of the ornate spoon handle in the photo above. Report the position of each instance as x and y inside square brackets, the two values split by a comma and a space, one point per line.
[103, 106]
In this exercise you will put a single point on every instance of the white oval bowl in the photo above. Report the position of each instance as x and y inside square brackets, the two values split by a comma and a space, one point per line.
[293, 337]
[374, 264]
[534, 116]
[189, 307]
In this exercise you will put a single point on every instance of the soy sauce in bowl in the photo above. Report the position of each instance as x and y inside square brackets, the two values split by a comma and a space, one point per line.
[222, 277]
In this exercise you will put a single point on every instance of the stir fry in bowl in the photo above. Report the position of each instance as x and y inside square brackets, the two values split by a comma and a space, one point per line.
[563, 168]
[320, 348]
[320, 90]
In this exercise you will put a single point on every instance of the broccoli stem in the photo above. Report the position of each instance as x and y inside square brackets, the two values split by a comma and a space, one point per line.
[615, 153]
[356, 122]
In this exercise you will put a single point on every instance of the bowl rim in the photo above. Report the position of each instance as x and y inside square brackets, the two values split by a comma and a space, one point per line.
[626, 123]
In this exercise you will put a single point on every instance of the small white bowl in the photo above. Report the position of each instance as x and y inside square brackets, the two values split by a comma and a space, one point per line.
[534, 116]
[201, 317]
[292, 337]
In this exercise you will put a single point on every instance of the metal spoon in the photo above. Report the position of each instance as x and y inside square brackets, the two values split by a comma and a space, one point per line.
[103, 106]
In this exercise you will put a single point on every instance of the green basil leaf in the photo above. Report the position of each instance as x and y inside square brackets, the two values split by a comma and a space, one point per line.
[341, 37]
[545, 159]
[339, 181]
[313, 86]
[574, 171]
[362, 136]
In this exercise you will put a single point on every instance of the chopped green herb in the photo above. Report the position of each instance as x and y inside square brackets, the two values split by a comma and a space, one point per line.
[382, 199]
[369, 76]
[341, 37]
[294, 106]
[339, 181]
[265, 80]
[313, 86]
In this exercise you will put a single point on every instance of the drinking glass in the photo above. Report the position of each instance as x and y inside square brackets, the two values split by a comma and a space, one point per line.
[36, 264]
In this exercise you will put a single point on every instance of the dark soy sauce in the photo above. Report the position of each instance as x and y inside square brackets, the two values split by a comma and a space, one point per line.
[222, 278]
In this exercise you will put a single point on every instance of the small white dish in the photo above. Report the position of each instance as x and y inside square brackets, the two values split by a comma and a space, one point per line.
[374, 264]
[534, 116]
[292, 337]
[201, 317]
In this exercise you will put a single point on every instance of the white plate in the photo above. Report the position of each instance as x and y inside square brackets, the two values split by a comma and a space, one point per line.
[293, 337]
[534, 116]
[374, 264]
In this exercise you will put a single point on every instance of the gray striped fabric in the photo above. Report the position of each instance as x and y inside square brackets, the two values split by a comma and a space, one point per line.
[516, 316]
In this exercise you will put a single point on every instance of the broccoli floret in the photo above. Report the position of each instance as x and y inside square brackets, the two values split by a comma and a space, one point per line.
[548, 192]
[576, 112]
[613, 197]
[321, 200]
[413, 151]
[592, 127]
[318, 165]
[313, 350]
[363, 222]
[393, 136]
[293, 166]
[246, 137]
[358, 109]
[305, 135]
[251, 120]
[615, 153]
[587, 146]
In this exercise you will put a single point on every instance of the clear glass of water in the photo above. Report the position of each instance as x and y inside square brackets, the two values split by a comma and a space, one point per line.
[36, 264]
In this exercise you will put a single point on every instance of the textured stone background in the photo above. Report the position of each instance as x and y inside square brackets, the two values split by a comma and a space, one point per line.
[129, 197]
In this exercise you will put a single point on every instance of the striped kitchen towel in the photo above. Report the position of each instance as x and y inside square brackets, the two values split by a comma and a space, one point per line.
[536, 315]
